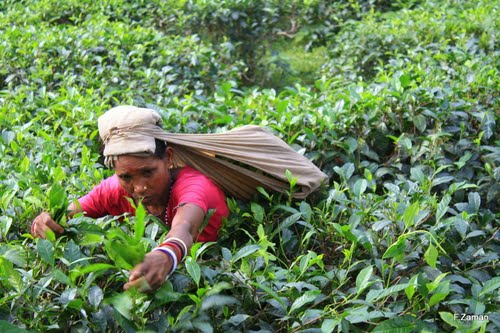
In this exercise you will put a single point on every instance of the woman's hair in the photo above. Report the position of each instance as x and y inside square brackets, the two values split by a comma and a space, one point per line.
[160, 150]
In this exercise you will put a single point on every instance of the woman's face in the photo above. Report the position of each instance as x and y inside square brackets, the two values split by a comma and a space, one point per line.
[146, 178]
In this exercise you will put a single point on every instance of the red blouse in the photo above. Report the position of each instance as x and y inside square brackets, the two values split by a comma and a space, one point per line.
[190, 186]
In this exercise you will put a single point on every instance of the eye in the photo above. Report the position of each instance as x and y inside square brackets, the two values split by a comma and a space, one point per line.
[125, 178]
[147, 173]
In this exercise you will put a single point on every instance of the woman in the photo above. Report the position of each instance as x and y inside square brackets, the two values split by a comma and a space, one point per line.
[143, 172]
[163, 178]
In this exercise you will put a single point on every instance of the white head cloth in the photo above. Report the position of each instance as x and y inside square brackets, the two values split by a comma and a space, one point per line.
[238, 160]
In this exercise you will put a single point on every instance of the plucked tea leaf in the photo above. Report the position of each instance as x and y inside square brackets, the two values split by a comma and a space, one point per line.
[139, 224]
[124, 254]
[50, 235]
[58, 202]
[92, 268]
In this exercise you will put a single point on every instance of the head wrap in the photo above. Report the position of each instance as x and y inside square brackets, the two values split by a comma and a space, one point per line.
[128, 130]
[238, 160]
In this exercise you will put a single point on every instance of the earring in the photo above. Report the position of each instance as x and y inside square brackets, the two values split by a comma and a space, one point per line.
[145, 187]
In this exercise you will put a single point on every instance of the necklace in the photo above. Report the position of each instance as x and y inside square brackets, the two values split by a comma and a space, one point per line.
[164, 212]
[171, 186]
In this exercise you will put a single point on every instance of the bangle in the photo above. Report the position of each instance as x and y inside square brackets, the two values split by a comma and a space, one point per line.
[172, 255]
[178, 241]
[177, 247]
[173, 246]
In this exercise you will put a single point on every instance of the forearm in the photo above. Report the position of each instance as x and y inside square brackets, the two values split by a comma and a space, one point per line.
[186, 224]
[73, 209]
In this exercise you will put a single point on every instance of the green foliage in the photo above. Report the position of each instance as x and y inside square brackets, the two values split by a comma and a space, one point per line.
[398, 105]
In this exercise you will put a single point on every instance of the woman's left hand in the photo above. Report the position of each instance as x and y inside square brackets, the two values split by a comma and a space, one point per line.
[150, 274]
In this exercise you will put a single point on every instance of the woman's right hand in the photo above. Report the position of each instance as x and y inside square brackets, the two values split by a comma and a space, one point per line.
[42, 223]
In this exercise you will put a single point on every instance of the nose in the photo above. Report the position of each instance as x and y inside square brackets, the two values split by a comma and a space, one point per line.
[140, 188]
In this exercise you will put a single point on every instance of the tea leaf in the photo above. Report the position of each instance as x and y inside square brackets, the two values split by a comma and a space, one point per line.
[139, 224]
[258, 212]
[490, 286]
[271, 293]
[329, 325]
[410, 214]
[440, 293]
[363, 278]
[308, 297]
[9, 277]
[442, 207]
[374, 295]
[245, 252]
[193, 269]
[431, 255]
[217, 301]
[396, 249]
[46, 251]
[396, 325]
[95, 296]
[7, 327]
[360, 187]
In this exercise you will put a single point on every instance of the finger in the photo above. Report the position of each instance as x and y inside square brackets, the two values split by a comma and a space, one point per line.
[41, 230]
[33, 228]
[135, 273]
[141, 284]
[54, 226]
[152, 280]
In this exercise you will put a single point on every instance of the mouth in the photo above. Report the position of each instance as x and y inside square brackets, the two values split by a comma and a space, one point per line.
[144, 200]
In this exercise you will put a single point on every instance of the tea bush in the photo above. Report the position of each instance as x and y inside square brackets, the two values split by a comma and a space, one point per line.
[401, 116]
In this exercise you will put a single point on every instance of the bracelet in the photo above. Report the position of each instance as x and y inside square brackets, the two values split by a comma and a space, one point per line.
[172, 255]
[177, 247]
[178, 241]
